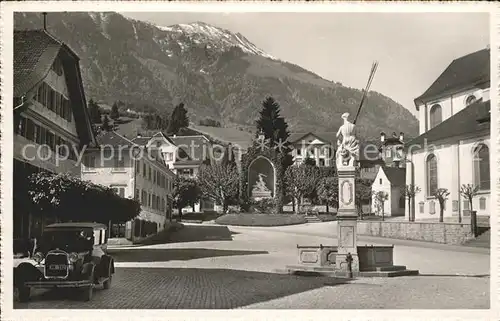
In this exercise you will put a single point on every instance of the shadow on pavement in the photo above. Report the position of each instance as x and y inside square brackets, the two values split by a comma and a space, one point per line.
[196, 233]
[183, 254]
[135, 288]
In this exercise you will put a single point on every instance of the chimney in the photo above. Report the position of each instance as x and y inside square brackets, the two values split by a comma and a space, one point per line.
[382, 137]
[44, 20]
[394, 135]
[401, 137]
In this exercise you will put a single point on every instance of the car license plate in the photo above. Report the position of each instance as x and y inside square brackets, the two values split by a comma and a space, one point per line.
[57, 267]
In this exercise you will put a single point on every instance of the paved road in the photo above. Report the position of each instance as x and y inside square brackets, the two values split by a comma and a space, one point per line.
[230, 267]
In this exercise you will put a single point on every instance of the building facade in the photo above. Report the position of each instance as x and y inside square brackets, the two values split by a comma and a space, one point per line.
[389, 180]
[316, 147]
[51, 122]
[183, 155]
[133, 172]
[454, 143]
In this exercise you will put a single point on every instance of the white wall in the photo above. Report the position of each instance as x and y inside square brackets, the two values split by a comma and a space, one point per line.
[450, 105]
[385, 186]
[455, 167]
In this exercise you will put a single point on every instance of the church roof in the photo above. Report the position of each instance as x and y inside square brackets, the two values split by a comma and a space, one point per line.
[465, 72]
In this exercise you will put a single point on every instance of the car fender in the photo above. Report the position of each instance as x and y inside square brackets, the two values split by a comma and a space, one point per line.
[107, 265]
[88, 268]
[25, 271]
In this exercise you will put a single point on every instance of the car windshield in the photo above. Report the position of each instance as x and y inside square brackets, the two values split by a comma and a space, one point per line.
[71, 240]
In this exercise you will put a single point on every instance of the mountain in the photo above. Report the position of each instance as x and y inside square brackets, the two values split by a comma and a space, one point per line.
[215, 72]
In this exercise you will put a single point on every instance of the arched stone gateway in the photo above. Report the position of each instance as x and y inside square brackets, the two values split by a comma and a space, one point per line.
[261, 178]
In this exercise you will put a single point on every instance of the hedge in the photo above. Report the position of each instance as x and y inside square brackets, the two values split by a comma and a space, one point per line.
[251, 219]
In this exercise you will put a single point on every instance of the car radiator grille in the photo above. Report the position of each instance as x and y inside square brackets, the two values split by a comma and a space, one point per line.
[56, 265]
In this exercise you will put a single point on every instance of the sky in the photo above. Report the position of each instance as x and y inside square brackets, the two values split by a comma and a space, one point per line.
[412, 49]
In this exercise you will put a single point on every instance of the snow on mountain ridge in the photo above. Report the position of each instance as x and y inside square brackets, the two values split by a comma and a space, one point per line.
[201, 32]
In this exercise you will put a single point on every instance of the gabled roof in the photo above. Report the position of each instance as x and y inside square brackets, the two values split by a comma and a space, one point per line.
[141, 141]
[162, 135]
[327, 137]
[192, 149]
[395, 175]
[34, 54]
[465, 72]
[113, 139]
[471, 120]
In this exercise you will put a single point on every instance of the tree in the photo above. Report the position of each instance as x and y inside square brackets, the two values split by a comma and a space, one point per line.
[219, 182]
[274, 128]
[469, 191]
[409, 191]
[186, 192]
[363, 194]
[228, 157]
[328, 191]
[441, 194]
[300, 181]
[105, 124]
[178, 119]
[66, 198]
[309, 161]
[114, 112]
[380, 197]
[270, 123]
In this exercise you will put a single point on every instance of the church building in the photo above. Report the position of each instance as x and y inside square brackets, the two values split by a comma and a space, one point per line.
[454, 143]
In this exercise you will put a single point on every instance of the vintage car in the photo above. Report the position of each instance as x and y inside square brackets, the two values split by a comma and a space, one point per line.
[68, 255]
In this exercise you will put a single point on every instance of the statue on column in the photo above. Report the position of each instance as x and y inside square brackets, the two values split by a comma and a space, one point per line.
[348, 144]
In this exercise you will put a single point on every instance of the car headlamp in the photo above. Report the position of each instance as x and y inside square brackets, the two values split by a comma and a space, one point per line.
[73, 257]
[38, 257]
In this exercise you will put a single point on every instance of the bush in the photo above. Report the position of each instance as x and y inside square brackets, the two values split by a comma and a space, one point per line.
[265, 205]
[250, 219]
[327, 217]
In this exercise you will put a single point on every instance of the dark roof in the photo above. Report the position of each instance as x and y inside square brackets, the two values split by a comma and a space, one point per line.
[397, 176]
[391, 140]
[113, 139]
[34, 54]
[464, 72]
[192, 149]
[142, 141]
[470, 120]
[328, 137]
[77, 225]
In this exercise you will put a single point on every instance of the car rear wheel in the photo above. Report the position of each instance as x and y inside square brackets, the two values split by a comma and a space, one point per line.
[23, 293]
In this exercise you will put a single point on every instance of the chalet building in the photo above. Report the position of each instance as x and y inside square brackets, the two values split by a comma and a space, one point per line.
[49, 113]
[183, 155]
[454, 143]
[133, 172]
[318, 147]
